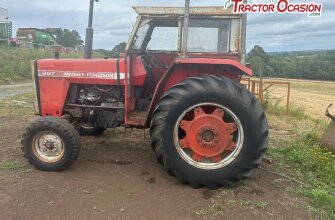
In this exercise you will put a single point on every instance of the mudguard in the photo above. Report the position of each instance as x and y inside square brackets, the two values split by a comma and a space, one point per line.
[233, 63]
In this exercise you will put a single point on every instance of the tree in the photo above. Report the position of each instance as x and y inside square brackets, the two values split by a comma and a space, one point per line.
[259, 60]
[297, 64]
[68, 38]
[119, 48]
[115, 53]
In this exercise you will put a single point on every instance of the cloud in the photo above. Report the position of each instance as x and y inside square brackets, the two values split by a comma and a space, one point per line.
[113, 20]
[293, 31]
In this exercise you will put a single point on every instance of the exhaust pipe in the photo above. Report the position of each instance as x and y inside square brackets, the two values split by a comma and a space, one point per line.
[185, 31]
[89, 32]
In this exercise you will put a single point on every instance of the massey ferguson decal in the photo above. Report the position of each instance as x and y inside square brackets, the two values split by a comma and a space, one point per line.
[278, 6]
[70, 74]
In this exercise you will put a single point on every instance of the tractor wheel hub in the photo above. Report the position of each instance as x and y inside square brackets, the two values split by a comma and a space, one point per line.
[208, 135]
[48, 146]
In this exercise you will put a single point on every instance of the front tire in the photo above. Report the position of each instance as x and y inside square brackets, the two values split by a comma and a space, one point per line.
[209, 131]
[51, 144]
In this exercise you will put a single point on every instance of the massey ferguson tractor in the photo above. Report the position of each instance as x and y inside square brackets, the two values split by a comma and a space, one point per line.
[179, 76]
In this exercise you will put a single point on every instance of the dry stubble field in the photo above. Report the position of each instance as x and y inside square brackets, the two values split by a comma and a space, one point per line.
[313, 97]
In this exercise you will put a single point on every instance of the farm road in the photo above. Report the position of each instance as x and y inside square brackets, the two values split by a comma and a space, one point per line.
[7, 91]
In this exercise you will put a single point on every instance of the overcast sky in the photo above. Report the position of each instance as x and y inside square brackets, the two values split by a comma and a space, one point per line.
[114, 19]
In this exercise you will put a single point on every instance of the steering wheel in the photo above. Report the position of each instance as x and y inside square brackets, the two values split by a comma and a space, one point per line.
[156, 60]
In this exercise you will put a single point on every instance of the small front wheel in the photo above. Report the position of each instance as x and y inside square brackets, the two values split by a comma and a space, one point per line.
[51, 144]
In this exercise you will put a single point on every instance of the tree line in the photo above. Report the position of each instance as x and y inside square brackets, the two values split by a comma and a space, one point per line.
[316, 65]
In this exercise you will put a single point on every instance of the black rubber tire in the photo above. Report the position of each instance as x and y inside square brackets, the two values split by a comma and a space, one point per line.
[225, 92]
[83, 131]
[64, 130]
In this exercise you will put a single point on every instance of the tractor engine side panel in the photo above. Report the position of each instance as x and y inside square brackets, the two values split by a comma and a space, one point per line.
[56, 76]
[52, 95]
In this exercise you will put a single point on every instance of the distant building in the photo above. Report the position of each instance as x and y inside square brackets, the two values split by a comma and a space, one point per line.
[5, 26]
[35, 37]
[53, 30]
[3, 15]
[80, 48]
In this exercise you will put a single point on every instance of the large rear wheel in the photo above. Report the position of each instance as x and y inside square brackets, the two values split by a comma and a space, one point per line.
[209, 131]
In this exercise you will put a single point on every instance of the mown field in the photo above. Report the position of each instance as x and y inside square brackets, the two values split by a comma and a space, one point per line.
[310, 96]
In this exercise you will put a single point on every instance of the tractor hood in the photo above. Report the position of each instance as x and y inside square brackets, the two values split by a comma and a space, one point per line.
[95, 69]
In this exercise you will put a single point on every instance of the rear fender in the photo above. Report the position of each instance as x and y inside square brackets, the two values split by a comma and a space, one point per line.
[235, 66]
[190, 67]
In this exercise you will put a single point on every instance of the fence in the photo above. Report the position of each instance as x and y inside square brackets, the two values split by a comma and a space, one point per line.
[259, 86]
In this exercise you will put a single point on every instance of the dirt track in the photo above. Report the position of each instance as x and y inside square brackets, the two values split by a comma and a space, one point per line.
[117, 177]
[7, 91]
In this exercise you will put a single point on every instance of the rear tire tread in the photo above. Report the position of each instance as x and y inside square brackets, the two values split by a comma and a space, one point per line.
[200, 84]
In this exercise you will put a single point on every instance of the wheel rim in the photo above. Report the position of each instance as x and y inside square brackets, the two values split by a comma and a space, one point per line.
[48, 147]
[208, 136]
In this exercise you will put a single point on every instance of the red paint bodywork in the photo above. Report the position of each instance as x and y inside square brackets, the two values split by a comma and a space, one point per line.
[56, 75]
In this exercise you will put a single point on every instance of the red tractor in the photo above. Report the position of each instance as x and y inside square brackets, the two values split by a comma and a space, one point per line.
[179, 76]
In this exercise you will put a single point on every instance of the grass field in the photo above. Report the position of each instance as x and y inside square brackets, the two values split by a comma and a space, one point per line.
[295, 140]
[312, 97]
[15, 62]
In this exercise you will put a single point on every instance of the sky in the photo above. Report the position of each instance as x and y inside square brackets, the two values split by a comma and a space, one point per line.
[113, 21]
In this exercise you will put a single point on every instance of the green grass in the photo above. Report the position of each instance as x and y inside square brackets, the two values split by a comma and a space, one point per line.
[245, 203]
[308, 161]
[2, 140]
[12, 166]
[211, 210]
[315, 167]
[15, 63]
[18, 105]
[277, 109]
[261, 204]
